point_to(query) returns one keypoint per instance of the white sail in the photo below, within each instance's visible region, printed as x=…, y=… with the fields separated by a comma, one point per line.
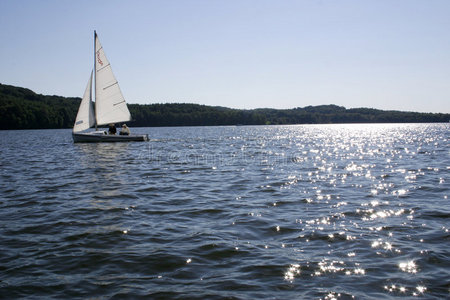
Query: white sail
x=85, y=117
x=110, y=105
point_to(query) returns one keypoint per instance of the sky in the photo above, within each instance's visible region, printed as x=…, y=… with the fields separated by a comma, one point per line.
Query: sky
x=384, y=54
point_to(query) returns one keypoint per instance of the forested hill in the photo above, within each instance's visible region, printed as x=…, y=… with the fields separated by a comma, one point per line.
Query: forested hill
x=21, y=108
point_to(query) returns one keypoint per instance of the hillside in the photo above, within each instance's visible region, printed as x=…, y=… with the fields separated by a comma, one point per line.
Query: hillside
x=21, y=108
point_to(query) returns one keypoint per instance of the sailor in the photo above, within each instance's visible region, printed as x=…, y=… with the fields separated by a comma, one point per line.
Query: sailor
x=112, y=129
x=125, y=130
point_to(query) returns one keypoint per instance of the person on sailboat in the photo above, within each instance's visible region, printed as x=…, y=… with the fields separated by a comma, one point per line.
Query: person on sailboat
x=112, y=129
x=125, y=130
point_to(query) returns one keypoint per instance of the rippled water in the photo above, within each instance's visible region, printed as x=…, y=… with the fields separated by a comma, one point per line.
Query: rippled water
x=277, y=212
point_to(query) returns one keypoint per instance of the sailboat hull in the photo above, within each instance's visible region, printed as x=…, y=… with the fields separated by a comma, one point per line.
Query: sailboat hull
x=100, y=137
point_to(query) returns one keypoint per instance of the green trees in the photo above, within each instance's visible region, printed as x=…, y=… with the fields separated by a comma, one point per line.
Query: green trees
x=21, y=108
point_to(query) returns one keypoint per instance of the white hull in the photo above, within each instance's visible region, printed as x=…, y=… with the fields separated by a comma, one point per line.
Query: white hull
x=100, y=137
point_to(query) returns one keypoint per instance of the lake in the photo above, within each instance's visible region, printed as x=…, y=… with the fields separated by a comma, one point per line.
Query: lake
x=247, y=212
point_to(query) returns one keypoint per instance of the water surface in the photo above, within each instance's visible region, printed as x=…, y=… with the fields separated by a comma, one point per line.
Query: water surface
x=274, y=212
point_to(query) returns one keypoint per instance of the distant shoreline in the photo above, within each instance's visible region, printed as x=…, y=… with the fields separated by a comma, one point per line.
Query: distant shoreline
x=21, y=108
x=105, y=128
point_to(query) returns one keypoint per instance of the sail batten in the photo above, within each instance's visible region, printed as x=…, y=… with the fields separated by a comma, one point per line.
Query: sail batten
x=103, y=68
x=110, y=85
x=118, y=103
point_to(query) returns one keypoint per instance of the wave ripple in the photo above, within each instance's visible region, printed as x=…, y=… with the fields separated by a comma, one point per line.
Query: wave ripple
x=278, y=212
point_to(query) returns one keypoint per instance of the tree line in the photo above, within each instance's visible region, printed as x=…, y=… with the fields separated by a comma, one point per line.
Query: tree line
x=21, y=108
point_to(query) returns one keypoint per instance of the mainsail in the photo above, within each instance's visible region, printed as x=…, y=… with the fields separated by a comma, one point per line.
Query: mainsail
x=110, y=105
x=85, y=117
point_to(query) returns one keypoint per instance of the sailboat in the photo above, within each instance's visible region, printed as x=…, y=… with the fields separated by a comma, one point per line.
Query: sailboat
x=110, y=105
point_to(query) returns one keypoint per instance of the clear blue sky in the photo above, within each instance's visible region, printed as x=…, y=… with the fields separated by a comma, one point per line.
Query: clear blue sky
x=386, y=54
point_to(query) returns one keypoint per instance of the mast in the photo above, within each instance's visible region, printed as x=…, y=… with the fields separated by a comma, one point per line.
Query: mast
x=95, y=78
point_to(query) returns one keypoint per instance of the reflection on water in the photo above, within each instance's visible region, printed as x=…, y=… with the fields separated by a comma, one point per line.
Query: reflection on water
x=279, y=212
x=101, y=154
x=103, y=164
